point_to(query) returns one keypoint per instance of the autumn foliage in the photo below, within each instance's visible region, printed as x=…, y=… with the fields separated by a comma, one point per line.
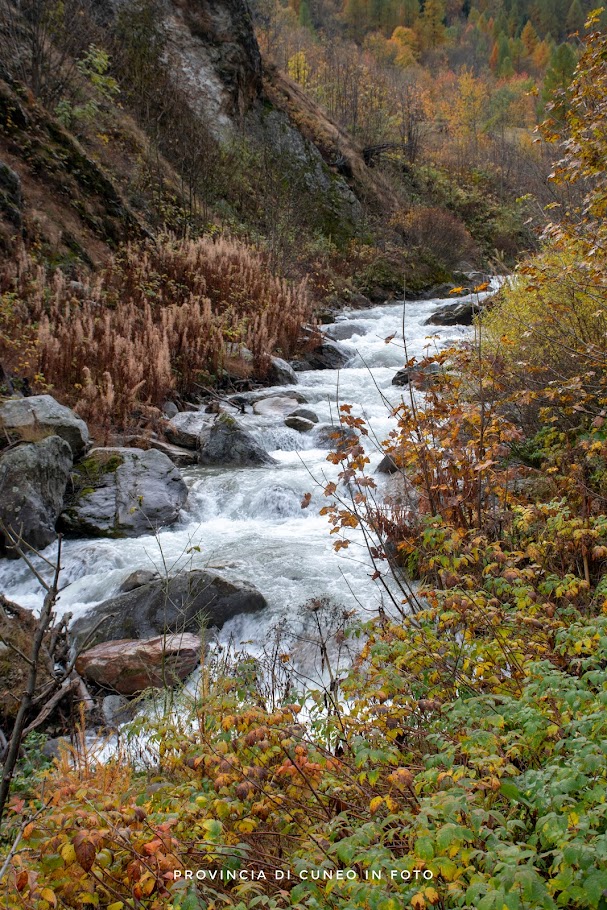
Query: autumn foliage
x=161, y=318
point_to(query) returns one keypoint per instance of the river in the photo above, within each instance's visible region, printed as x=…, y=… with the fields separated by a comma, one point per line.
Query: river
x=250, y=522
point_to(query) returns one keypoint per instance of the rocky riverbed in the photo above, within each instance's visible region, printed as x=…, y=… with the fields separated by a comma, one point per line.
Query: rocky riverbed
x=205, y=529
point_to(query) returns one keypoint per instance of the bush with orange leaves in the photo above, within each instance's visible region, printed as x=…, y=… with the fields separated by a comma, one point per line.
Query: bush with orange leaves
x=161, y=317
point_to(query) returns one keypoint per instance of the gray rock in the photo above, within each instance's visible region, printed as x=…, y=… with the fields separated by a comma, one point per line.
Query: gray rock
x=416, y=373
x=227, y=443
x=276, y=406
x=454, y=314
x=35, y=418
x=342, y=331
x=387, y=465
x=170, y=409
x=299, y=423
x=116, y=710
x=306, y=413
x=332, y=436
x=166, y=606
x=282, y=373
x=184, y=429
x=137, y=579
x=327, y=356
x=183, y=458
x=33, y=478
x=124, y=492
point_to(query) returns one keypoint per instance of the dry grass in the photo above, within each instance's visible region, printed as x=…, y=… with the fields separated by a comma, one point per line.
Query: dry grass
x=161, y=317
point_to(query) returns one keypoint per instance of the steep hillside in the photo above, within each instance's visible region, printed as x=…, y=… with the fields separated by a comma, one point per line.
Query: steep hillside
x=192, y=132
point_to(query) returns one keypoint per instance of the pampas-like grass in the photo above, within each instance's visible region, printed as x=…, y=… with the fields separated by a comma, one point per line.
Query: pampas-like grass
x=161, y=317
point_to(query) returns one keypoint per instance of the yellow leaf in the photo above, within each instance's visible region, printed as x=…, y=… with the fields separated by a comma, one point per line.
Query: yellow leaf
x=117, y=905
x=432, y=895
x=68, y=854
x=375, y=804
x=47, y=895
x=417, y=901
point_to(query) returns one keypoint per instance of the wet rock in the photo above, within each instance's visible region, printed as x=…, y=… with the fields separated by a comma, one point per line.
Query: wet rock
x=227, y=443
x=182, y=603
x=138, y=579
x=387, y=465
x=34, y=418
x=170, y=409
x=333, y=436
x=282, y=373
x=116, y=710
x=454, y=314
x=327, y=356
x=277, y=406
x=131, y=666
x=184, y=429
x=342, y=331
x=33, y=479
x=299, y=423
x=417, y=373
x=178, y=455
x=123, y=492
x=306, y=413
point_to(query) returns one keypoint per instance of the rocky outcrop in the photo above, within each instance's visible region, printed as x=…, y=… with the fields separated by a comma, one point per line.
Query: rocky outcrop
x=129, y=667
x=165, y=606
x=35, y=418
x=184, y=429
x=212, y=43
x=227, y=443
x=33, y=478
x=123, y=492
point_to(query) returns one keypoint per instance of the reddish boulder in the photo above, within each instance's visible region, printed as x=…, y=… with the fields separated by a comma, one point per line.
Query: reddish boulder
x=129, y=666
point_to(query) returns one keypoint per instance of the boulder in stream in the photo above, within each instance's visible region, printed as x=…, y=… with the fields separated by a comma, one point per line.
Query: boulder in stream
x=334, y=436
x=183, y=603
x=301, y=424
x=35, y=418
x=275, y=406
x=123, y=492
x=327, y=356
x=455, y=314
x=282, y=373
x=130, y=666
x=227, y=443
x=184, y=429
x=33, y=478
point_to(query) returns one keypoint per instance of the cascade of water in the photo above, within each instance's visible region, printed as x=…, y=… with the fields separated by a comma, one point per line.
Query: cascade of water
x=249, y=521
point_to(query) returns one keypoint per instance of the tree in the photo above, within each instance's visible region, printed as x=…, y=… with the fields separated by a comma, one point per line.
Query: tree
x=530, y=39
x=432, y=24
x=575, y=17
x=558, y=78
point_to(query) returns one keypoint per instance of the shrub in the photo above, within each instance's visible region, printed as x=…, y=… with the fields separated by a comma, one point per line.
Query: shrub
x=441, y=232
x=161, y=317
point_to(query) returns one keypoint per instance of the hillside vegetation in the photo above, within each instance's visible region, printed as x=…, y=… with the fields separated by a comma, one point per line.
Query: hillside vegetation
x=365, y=146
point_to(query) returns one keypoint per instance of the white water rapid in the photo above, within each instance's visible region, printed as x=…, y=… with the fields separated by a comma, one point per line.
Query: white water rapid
x=250, y=522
